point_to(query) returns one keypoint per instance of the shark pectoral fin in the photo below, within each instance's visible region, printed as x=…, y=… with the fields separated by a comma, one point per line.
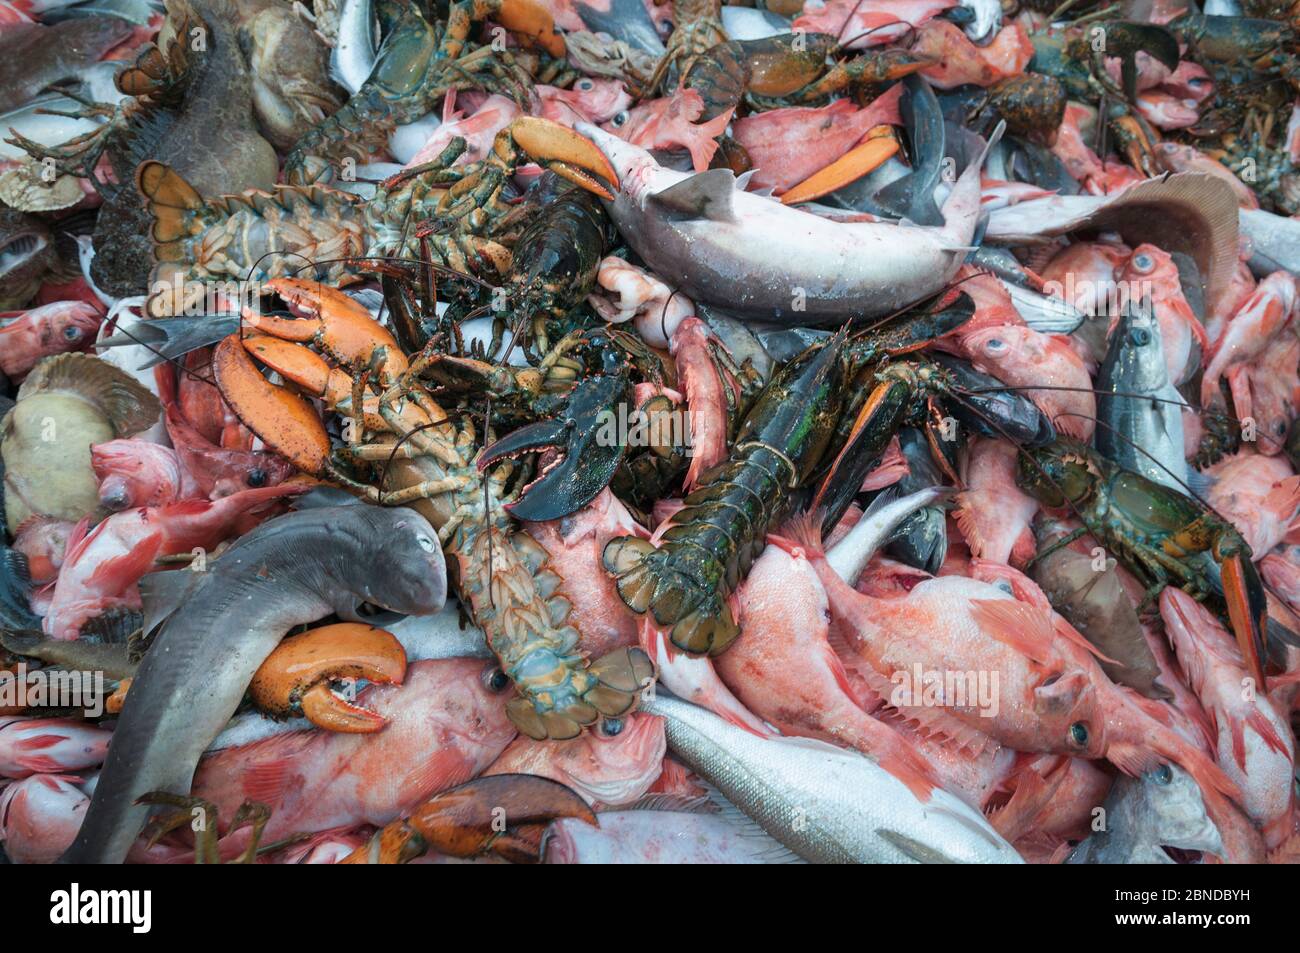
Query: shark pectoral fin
x=707, y=194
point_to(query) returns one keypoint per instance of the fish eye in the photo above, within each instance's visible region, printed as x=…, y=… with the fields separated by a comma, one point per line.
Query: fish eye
x=1162, y=774
x=1140, y=336
x=425, y=543
x=71, y=333
x=1004, y=586
x=611, y=727
x=995, y=345
x=1143, y=262
x=1079, y=734
x=256, y=477
x=495, y=680
x=585, y=84
x=621, y=119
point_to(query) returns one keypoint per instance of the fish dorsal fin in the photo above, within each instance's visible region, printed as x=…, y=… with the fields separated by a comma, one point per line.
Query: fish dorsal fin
x=164, y=592
x=706, y=194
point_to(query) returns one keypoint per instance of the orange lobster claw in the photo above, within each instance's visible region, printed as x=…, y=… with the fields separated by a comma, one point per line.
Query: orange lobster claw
x=326, y=316
x=285, y=422
x=295, y=678
x=1247, y=611
x=504, y=814
x=312, y=373
x=529, y=19
x=564, y=152
x=853, y=165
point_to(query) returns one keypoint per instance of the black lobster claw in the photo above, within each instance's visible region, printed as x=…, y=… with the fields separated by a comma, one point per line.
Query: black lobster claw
x=989, y=408
x=590, y=445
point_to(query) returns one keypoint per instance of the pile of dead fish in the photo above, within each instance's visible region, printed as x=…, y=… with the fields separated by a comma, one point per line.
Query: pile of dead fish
x=601, y=431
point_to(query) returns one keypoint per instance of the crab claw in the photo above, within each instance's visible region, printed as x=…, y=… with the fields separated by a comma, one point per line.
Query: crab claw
x=589, y=452
x=565, y=152
x=1247, y=610
x=283, y=420
x=853, y=165
x=504, y=814
x=295, y=678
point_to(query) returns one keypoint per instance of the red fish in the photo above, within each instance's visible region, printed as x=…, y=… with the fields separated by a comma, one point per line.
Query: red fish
x=1259, y=494
x=1022, y=357
x=669, y=122
x=992, y=513
x=49, y=746
x=103, y=566
x=134, y=472
x=43, y=540
x=611, y=765
x=40, y=817
x=50, y=329
x=958, y=61
x=215, y=471
x=444, y=725
x=1262, y=316
x=1255, y=746
x=858, y=24
x=786, y=146
x=590, y=100
x=785, y=671
x=706, y=396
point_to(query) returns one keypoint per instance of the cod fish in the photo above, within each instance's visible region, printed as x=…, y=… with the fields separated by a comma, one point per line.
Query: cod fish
x=66, y=404
x=1139, y=410
x=291, y=570
x=724, y=246
x=827, y=804
x=1160, y=808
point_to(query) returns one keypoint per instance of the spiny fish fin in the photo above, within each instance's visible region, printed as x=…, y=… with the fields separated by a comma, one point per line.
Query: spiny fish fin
x=127, y=404
x=706, y=195
x=129, y=566
x=1284, y=497
x=968, y=523
x=1017, y=625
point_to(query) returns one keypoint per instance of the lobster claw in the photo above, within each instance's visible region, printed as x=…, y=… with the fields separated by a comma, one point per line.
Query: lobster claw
x=504, y=814
x=1243, y=591
x=989, y=408
x=590, y=451
x=876, y=422
x=566, y=153
x=295, y=678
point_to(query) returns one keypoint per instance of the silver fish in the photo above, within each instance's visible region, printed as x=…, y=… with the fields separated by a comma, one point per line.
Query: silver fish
x=357, y=47
x=627, y=21
x=827, y=804
x=1274, y=241
x=1046, y=313
x=1139, y=411
x=751, y=23
x=1143, y=815
x=223, y=623
x=756, y=256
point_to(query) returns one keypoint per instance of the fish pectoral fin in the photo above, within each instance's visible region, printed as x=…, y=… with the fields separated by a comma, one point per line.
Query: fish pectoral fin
x=162, y=593
x=704, y=195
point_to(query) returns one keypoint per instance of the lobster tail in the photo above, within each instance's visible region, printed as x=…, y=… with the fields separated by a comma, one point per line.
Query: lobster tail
x=177, y=210
x=647, y=580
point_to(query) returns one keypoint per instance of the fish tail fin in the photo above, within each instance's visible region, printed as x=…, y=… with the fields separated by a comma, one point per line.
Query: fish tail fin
x=804, y=531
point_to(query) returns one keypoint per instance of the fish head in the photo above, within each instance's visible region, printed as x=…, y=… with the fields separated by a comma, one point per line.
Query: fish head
x=71, y=326
x=1154, y=271
x=598, y=99
x=626, y=158
x=26, y=254
x=405, y=571
x=1135, y=358
x=1168, y=810
x=615, y=762
x=1065, y=703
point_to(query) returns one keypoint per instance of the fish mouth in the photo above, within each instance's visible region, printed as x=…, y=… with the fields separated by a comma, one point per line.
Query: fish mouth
x=1182, y=855
x=19, y=250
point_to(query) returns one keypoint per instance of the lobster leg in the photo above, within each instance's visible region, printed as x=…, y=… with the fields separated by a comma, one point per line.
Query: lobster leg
x=295, y=678
x=186, y=810
x=503, y=815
